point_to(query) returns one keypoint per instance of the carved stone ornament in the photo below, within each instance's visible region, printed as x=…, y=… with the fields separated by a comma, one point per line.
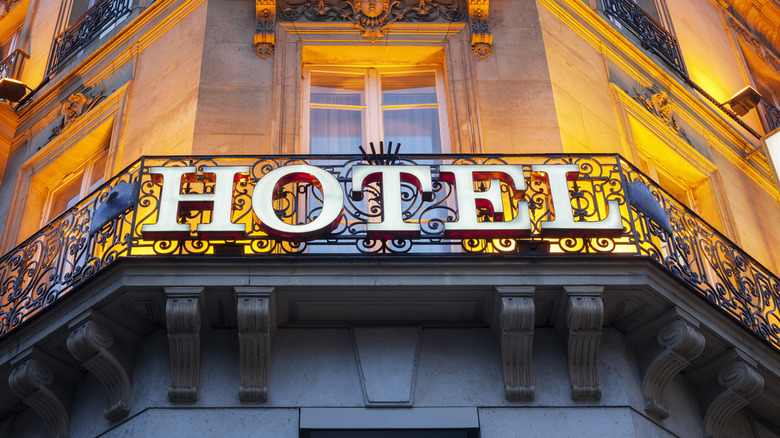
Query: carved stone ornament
x=106, y=353
x=182, y=316
x=741, y=382
x=265, y=15
x=517, y=337
x=755, y=45
x=658, y=103
x=254, y=323
x=481, y=37
x=584, y=318
x=373, y=16
x=40, y=381
x=76, y=105
x=681, y=343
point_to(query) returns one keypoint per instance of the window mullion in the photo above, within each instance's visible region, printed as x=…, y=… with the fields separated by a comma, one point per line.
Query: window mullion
x=374, y=107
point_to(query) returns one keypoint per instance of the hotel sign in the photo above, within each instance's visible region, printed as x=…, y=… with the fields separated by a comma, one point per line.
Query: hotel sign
x=479, y=200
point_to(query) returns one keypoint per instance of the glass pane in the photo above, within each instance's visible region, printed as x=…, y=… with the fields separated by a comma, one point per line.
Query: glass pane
x=416, y=128
x=335, y=131
x=337, y=89
x=409, y=88
x=98, y=171
x=65, y=196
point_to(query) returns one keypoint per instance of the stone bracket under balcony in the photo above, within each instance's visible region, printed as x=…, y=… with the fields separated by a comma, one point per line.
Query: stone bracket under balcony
x=665, y=347
x=47, y=385
x=106, y=350
x=183, y=320
x=517, y=314
x=254, y=310
x=584, y=319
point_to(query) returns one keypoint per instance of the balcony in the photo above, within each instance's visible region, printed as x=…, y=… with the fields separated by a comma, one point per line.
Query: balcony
x=51, y=264
x=97, y=20
x=651, y=34
x=9, y=67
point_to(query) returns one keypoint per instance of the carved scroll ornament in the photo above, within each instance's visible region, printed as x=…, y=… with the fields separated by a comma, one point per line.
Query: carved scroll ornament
x=265, y=15
x=481, y=37
x=372, y=16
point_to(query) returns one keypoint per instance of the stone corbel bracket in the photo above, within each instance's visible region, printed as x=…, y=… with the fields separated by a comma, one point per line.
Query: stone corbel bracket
x=517, y=336
x=183, y=320
x=254, y=340
x=680, y=343
x=741, y=382
x=481, y=36
x=265, y=31
x=106, y=350
x=47, y=386
x=584, y=318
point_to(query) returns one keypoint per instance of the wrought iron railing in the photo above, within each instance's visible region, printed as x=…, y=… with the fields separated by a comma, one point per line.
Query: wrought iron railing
x=64, y=254
x=86, y=28
x=772, y=115
x=651, y=34
x=9, y=67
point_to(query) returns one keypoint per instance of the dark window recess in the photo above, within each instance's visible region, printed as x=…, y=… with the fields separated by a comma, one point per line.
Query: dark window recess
x=91, y=24
x=651, y=34
x=389, y=433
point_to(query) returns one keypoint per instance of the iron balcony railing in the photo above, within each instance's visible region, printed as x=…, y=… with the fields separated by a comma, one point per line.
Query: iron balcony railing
x=9, y=67
x=772, y=115
x=86, y=28
x=651, y=34
x=51, y=264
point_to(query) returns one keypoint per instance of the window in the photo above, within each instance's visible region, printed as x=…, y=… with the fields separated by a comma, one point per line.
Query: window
x=344, y=107
x=75, y=186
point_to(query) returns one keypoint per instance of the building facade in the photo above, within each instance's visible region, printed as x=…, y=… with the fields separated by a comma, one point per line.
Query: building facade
x=210, y=228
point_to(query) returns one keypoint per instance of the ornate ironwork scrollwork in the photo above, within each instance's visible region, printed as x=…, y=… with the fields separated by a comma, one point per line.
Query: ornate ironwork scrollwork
x=81, y=32
x=651, y=34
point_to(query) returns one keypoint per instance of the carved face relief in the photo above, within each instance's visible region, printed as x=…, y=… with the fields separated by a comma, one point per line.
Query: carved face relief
x=372, y=8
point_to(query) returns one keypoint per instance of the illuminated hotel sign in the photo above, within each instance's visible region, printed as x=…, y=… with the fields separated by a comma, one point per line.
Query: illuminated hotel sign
x=391, y=224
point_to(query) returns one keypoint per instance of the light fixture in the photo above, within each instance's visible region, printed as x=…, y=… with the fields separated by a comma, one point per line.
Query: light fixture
x=13, y=90
x=745, y=100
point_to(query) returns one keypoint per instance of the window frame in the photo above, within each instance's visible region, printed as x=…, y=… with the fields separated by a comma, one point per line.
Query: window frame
x=84, y=172
x=372, y=120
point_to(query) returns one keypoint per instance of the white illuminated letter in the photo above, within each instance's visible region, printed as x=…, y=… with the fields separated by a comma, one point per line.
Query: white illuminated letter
x=332, y=202
x=468, y=201
x=392, y=224
x=220, y=203
x=557, y=175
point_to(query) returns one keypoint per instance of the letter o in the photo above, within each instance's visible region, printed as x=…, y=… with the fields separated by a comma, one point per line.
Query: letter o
x=332, y=202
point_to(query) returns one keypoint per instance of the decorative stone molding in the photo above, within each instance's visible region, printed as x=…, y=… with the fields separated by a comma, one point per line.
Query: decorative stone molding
x=481, y=36
x=517, y=336
x=757, y=21
x=681, y=343
x=742, y=382
x=76, y=105
x=265, y=30
x=254, y=341
x=658, y=103
x=106, y=351
x=182, y=317
x=372, y=17
x=584, y=318
x=41, y=382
